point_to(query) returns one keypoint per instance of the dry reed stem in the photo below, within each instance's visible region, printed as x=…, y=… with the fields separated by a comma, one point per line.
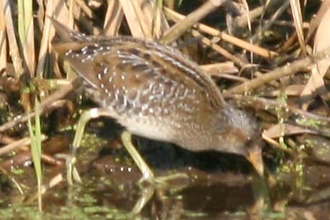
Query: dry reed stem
x=113, y=19
x=223, y=36
x=47, y=33
x=321, y=41
x=18, y=144
x=3, y=40
x=46, y=105
x=26, y=34
x=287, y=70
x=270, y=22
x=298, y=23
x=12, y=43
x=221, y=50
x=183, y=25
x=135, y=20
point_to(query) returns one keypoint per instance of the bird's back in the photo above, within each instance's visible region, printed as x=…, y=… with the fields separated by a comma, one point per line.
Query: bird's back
x=138, y=78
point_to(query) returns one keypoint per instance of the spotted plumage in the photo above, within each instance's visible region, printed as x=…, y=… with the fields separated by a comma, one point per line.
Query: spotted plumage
x=156, y=92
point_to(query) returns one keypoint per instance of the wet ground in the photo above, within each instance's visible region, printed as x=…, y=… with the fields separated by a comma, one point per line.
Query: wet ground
x=213, y=185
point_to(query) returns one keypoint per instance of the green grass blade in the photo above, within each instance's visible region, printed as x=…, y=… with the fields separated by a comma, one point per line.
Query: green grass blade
x=36, y=139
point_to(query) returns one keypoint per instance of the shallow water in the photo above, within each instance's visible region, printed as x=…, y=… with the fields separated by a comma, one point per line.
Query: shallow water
x=216, y=186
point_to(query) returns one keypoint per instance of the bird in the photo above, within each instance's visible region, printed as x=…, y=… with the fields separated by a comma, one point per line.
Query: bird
x=157, y=92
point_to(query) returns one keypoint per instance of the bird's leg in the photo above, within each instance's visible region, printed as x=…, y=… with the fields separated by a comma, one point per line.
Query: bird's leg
x=72, y=173
x=83, y=120
x=147, y=174
x=146, y=194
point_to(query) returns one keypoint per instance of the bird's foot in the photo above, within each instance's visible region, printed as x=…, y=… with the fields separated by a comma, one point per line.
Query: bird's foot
x=150, y=184
x=163, y=181
x=72, y=174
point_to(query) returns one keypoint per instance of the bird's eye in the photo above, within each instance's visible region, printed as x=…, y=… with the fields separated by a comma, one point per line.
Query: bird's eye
x=253, y=142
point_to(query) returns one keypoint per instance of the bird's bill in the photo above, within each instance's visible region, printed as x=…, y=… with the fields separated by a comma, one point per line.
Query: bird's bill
x=255, y=157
